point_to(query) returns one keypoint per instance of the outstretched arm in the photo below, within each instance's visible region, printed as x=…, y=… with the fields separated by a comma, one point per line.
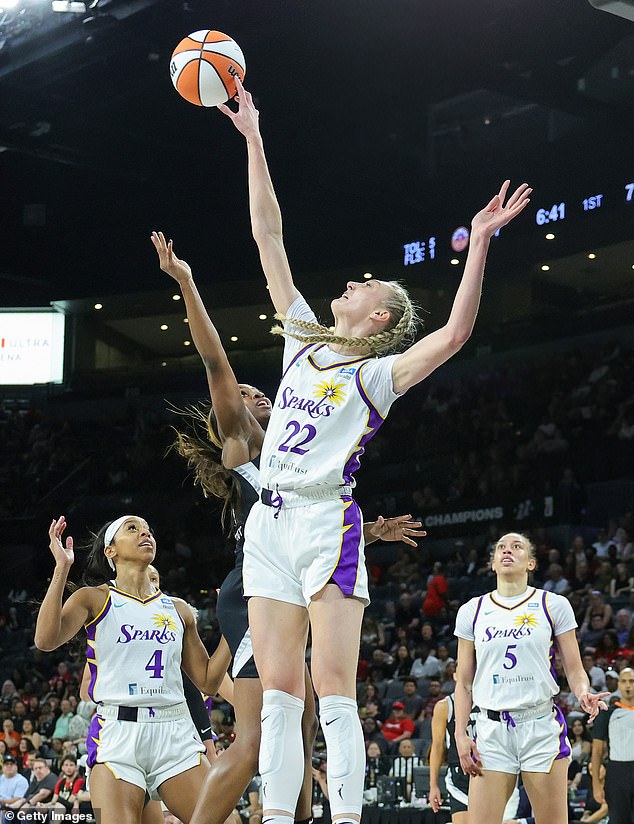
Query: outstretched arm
x=57, y=623
x=428, y=354
x=399, y=528
x=241, y=434
x=266, y=218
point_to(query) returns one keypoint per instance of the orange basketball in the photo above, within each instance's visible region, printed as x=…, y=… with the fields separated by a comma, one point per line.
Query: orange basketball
x=204, y=66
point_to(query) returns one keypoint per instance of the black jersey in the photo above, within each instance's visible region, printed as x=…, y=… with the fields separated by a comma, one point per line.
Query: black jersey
x=248, y=476
x=453, y=760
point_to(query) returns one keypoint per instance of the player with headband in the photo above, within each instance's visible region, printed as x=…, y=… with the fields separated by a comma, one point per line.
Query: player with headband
x=137, y=640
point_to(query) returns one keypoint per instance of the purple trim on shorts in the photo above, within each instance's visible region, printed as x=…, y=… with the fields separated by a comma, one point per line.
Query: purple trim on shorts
x=296, y=356
x=477, y=612
x=347, y=569
x=92, y=740
x=564, y=744
x=374, y=422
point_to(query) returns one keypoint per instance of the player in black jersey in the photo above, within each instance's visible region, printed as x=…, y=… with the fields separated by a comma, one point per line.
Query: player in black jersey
x=222, y=446
x=443, y=728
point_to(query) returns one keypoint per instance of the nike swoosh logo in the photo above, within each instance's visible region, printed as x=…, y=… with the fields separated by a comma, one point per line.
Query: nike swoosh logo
x=489, y=612
x=207, y=729
x=118, y=606
x=328, y=723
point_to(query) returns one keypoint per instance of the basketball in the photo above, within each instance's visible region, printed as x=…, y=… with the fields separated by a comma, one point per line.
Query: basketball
x=204, y=66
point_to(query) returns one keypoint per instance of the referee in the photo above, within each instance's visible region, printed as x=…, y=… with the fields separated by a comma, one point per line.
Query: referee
x=614, y=728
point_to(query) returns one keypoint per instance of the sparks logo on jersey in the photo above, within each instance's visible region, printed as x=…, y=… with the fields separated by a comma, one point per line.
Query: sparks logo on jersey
x=164, y=621
x=290, y=400
x=525, y=620
x=331, y=391
x=521, y=631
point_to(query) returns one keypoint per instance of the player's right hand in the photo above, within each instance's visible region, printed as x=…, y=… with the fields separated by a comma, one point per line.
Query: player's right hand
x=469, y=756
x=63, y=553
x=435, y=797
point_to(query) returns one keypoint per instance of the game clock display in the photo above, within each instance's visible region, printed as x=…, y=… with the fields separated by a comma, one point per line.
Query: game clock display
x=559, y=211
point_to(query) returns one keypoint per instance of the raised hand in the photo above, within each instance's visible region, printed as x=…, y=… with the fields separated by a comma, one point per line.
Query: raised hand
x=175, y=268
x=246, y=119
x=400, y=528
x=497, y=214
x=593, y=702
x=62, y=552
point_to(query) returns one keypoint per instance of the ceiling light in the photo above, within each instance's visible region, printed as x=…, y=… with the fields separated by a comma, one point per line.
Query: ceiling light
x=545, y=268
x=185, y=320
x=367, y=275
x=550, y=236
x=164, y=326
x=591, y=256
x=233, y=338
x=454, y=261
x=187, y=343
x=68, y=6
x=98, y=305
x=263, y=317
x=176, y=297
x=164, y=363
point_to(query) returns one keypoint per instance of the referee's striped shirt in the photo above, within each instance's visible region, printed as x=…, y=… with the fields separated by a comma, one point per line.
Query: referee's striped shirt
x=616, y=726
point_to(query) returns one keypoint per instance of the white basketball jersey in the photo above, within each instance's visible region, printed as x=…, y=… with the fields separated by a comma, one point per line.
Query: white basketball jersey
x=134, y=651
x=515, y=646
x=322, y=418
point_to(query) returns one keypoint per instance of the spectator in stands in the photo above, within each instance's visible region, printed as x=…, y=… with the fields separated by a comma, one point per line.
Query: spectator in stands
x=622, y=581
x=590, y=637
x=435, y=695
x=437, y=589
x=447, y=682
x=372, y=733
x=376, y=764
x=61, y=725
x=24, y=749
x=607, y=649
x=582, y=578
x=41, y=786
x=410, y=699
x=627, y=650
x=68, y=785
x=580, y=741
x=403, y=768
x=597, y=607
x=30, y=734
x=10, y=736
x=19, y=714
x=602, y=543
x=397, y=727
x=555, y=582
x=373, y=709
x=8, y=692
x=612, y=684
x=407, y=615
x=596, y=675
x=404, y=662
x=425, y=665
x=13, y=786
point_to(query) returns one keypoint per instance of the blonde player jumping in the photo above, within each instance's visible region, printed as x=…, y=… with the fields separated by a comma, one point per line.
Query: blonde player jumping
x=303, y=554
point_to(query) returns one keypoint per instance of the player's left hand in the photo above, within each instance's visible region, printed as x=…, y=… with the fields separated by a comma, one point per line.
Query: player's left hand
x=497, y=214
x=169, y=263
x=401, y=528
x=591, y=703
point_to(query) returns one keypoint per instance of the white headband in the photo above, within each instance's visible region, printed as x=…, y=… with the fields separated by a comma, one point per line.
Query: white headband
x=111, y=532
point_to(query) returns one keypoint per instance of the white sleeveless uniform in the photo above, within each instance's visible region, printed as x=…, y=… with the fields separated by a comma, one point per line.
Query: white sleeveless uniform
x=518, y=727
x=143, y=729
x=307, y=530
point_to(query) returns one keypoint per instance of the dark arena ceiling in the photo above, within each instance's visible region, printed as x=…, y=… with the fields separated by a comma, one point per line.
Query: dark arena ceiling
x=377, y=115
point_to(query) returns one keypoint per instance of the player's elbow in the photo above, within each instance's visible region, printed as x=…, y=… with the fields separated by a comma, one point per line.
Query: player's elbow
x=44, y=642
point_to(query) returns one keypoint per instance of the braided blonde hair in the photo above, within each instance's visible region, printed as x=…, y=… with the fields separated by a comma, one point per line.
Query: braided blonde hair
x=396, y=337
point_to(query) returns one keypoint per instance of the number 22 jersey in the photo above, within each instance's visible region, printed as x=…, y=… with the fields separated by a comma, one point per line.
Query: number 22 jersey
x=515, y=645
x=327, y=408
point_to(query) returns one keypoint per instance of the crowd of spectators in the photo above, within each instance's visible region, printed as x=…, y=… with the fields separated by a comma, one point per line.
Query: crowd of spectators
x=548, y=425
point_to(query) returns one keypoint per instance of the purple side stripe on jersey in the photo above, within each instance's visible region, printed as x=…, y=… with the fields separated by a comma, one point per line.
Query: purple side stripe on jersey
x=91, y=632
x=564, y=744
x=347, y=568
x=477, y=612
x=93, y=740
x=553, y=643
x=295, y=357
x=374, y=422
